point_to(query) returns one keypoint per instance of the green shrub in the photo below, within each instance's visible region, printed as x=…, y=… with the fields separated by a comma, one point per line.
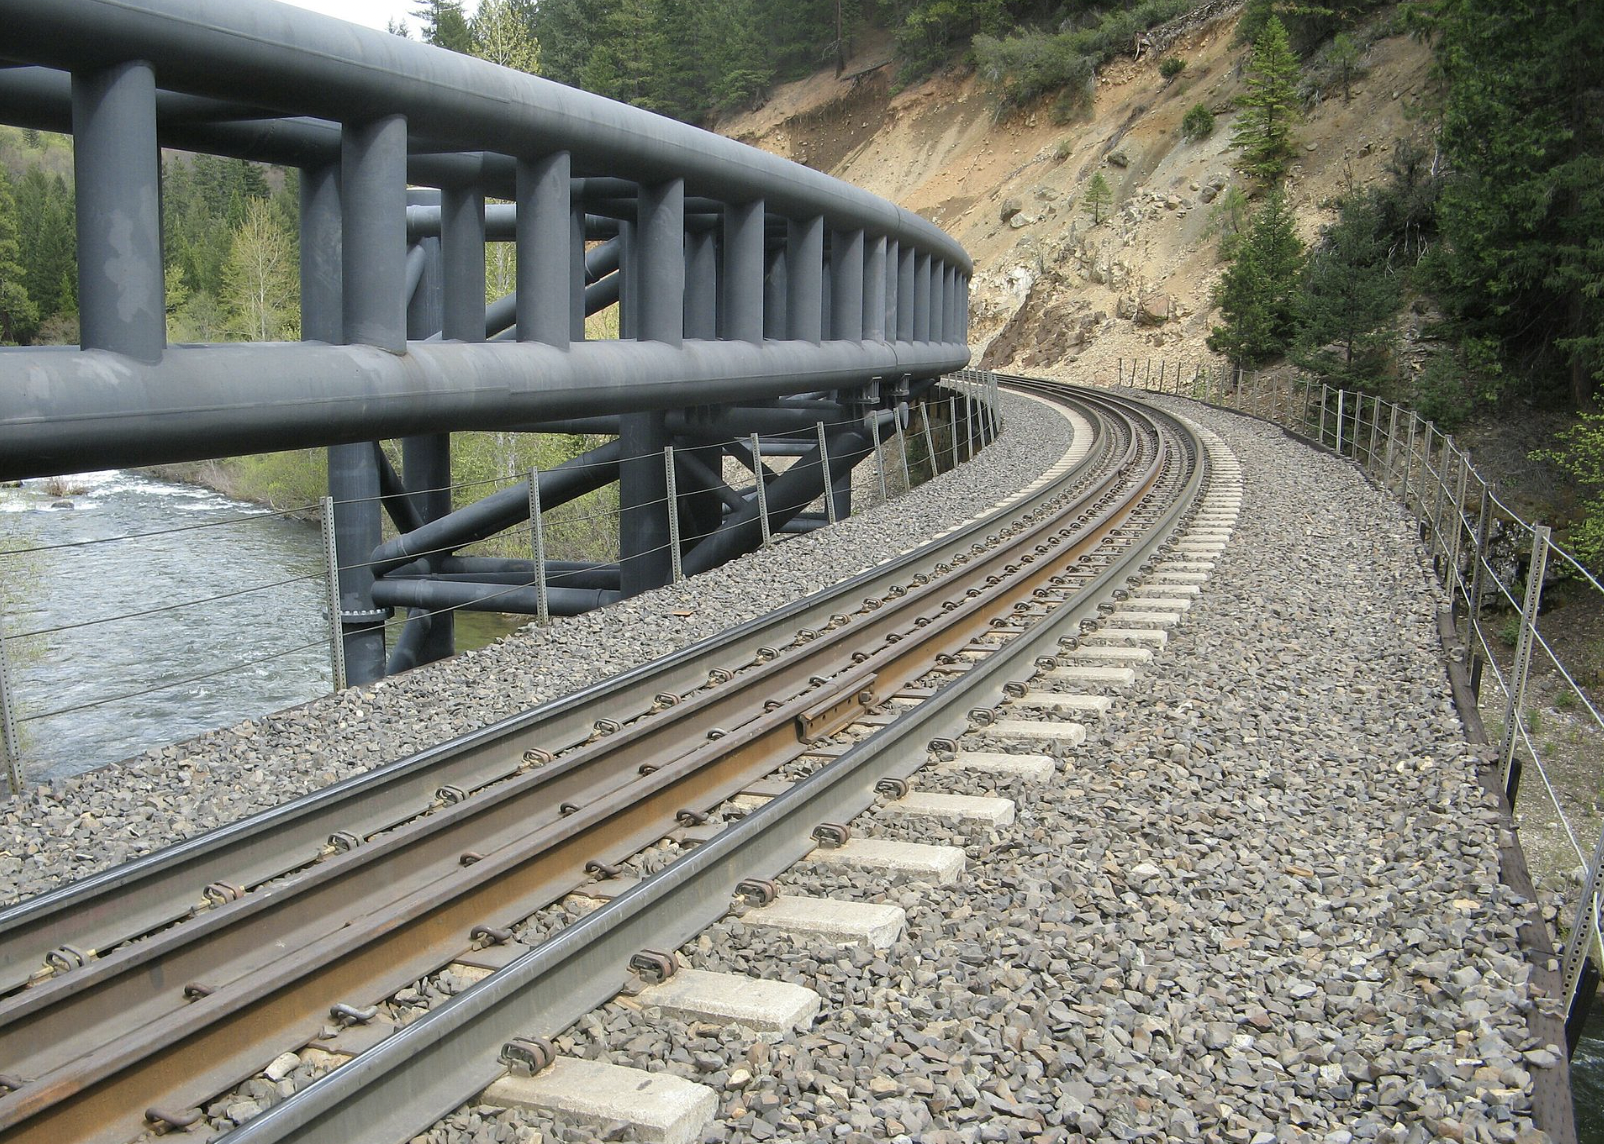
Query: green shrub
x=1023, y=65
x=1171, y=66
x=1198, y=123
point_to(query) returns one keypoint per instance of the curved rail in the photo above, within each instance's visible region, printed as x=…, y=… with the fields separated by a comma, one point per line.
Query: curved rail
x=375, y=951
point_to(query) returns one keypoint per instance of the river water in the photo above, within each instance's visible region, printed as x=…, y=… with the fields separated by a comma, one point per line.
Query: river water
x=224, y=618
x=139, y=612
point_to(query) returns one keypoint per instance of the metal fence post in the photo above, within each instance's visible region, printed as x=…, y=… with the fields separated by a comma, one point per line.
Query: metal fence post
x=1325, y=395
x=671, y=506
x=1375, y=430
x=1523, y=653
x=10, y=740
x=1584, y=930
x=537, y=541
x=1409, y=457
x=1458, y=582
x=879, y=456
x=1341, y=393
x=952, y=415
x=1440, y=476
x=331, y=572
x=1392, y=442
x=1473, y=602
x=824, y=472
x=930, y=441
x=763, y=492
x=902, y=451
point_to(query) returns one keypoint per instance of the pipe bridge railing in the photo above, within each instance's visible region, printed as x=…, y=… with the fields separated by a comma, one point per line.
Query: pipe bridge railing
x=753, y=295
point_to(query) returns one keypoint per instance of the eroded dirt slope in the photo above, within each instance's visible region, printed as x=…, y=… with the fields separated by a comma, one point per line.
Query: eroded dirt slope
x=1054, y=294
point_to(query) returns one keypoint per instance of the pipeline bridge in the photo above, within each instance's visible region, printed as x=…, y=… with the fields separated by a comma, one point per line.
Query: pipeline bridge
x=755, y=297
x=1152, y=948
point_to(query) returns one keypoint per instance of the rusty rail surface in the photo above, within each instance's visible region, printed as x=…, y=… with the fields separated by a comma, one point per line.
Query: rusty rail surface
x=171, y=1020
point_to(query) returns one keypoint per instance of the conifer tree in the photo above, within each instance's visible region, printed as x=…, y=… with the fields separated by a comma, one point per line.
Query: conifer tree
x=18, y=314
x=1258, y=296
x=1348, y=299
x=1269, y=107
x=1521, y=209
x=1098, y=196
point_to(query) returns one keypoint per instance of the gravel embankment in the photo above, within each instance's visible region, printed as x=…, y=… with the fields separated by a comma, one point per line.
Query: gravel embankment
x=72, y=827
x=1260, y=905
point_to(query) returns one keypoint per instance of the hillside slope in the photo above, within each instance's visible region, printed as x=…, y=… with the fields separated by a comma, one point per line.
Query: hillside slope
x=1053, y=294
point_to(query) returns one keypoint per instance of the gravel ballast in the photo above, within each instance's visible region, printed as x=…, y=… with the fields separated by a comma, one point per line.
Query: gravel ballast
x=72, y=827
x=1261, y=904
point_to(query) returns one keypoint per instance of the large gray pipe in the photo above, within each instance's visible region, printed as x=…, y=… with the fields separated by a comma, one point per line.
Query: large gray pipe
x=60, y=405
x=435, y=595
x=499, y=510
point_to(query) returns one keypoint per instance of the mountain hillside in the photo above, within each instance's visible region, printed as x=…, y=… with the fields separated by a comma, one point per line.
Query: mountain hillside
x=1052, y=293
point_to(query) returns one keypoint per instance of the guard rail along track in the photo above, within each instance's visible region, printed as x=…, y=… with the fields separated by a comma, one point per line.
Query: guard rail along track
x=142, y=992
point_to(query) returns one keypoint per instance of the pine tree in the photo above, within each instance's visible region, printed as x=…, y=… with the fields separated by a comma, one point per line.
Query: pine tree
x=1348, y=299
x=47, y=246
x=443, y=24
x=1522, y=208
x=1269, y=107
x=18, y=314
x=1098, y=196
x=1258, y=296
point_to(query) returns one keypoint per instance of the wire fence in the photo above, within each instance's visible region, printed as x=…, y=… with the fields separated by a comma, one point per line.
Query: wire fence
x=188, y=633
x=1515, y=595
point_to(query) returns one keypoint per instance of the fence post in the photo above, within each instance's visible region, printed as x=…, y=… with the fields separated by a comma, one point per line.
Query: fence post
x=879, y=455
x=671, y=506
x=1473, y=603
x=824, y=475
x=902, y=451
x=1584, y=928
x=930, y=442
x=1341, y=394
x=1409, y=457
x=10, y=741
x=331, y=575
x=1523, y=656
x=1392, y=442
x=537, y=541
x=1459, y=526
x=1440, y=475
x=952, y=413
x=763, y=492
x=1325, y=393
x=1375, y=429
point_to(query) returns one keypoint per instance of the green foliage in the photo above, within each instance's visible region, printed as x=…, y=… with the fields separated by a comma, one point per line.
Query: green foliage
x=1171, y=66
x=927, y=30
x=1522, y=208
x=47, y=241
x=1308, y=25
x=19, y=314
x=1579, y=452
x=443, y=24
x=261, y=283
x=1258, y=295
x=501, y=34
x=1344, y=56
x=1198, y=123
x=1269, y=107
x=1027, y=64
x=1349, y=297
x=1098, y=197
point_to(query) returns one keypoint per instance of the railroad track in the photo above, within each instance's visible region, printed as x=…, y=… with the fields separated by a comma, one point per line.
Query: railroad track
x=137, y=995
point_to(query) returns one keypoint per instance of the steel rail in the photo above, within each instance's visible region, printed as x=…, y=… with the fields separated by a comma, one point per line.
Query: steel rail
x=127, y=901
x=434, y=1064
x=44, y=1027
x=351, y=961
